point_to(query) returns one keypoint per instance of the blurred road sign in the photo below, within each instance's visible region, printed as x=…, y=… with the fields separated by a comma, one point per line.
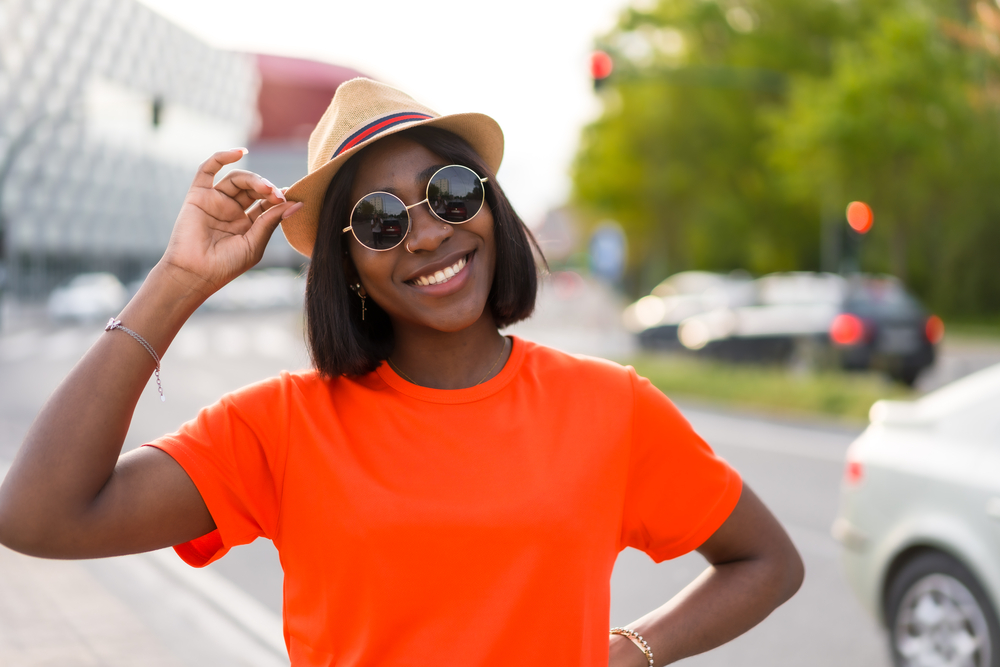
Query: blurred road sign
x=608, y=251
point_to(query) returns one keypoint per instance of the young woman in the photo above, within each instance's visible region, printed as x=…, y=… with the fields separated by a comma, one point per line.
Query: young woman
x=439, y=493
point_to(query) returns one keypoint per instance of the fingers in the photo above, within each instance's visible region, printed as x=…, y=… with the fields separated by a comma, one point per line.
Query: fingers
x=264, y=225
x=259, y=206
x=205, y=177
x=247, y=187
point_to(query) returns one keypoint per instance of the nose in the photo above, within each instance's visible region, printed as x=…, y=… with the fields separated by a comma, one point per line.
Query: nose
x=427, y=233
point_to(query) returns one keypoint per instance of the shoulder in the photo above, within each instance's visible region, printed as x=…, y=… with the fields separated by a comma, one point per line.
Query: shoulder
x=303, y=382
x=288, y=392
x=569, y=370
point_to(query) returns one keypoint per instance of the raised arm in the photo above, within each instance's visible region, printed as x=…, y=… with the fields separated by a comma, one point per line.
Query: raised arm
x=69, y=493
x=754, y=568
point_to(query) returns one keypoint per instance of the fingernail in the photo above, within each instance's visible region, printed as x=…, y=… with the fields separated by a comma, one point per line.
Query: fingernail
x=275, y=189
x=291, y=209
x=242, y=150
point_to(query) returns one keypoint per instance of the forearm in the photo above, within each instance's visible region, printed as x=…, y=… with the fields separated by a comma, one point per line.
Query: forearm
x=755, y=568
x=722, y=603
x=74, y=443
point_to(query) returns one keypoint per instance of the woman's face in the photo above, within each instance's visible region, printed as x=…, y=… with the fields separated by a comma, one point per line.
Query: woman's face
x=391, y=278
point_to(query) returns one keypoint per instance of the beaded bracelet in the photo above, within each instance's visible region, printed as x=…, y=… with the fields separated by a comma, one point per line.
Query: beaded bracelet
x=637, y=640
x=117, y=324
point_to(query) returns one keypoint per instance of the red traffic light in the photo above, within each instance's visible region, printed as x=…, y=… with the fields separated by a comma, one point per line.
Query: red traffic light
x=600, y=65
x=860, y=216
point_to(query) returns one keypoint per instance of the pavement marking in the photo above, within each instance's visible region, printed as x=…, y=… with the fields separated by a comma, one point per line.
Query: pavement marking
x=194, y=341
x=253, y=617
x=181, y=612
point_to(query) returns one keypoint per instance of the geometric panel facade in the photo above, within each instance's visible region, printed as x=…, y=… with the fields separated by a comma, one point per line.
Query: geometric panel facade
x=106, y=109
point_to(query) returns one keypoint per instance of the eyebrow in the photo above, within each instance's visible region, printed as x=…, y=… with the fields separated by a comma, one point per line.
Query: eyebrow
x=421, y=177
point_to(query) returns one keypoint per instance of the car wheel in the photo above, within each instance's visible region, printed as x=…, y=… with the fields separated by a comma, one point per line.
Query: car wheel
x=939, y=616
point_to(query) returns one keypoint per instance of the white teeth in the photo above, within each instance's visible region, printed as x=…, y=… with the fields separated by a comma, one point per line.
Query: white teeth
x=443, y=275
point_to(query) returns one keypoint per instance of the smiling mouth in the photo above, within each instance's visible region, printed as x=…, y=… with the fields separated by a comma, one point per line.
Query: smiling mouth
x=442, y=276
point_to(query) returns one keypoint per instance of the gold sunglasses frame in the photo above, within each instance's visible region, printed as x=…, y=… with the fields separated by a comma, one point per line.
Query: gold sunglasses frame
x=425, y=200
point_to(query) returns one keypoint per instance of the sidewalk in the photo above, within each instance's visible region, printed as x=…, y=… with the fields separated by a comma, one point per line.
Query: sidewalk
x=57, y=613
x=148, y=610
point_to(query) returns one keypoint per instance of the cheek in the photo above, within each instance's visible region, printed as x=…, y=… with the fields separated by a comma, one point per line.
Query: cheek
x=373, y=268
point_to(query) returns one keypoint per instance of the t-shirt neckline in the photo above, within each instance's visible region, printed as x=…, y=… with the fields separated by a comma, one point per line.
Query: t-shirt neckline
x=467, y=395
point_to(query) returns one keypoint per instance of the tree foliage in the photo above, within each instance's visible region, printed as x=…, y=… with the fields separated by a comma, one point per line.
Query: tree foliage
x=732, y=130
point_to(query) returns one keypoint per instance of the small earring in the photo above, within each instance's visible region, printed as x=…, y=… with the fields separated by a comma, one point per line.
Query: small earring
x=358, y=289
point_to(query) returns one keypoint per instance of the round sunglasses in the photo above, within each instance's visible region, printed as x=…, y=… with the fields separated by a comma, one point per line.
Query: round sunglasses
x=380, y=220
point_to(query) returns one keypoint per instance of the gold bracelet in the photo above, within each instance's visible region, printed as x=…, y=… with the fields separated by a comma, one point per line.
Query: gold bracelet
x=637, y=640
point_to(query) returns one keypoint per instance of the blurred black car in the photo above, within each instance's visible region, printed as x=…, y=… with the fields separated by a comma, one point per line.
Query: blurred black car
x=882, y=326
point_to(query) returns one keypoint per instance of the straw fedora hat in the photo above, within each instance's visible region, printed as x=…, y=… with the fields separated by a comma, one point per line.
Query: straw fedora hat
x=364, y=111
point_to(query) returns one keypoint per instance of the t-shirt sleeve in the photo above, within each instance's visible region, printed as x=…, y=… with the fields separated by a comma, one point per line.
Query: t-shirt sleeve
x=233, y=452
x=678, y=492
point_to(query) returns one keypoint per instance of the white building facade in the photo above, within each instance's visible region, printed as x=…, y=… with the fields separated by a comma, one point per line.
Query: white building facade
x=106, y=109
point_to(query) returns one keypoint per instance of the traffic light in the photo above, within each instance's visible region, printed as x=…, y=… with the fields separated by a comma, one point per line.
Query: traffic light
x=860, y=216
x=601, y=66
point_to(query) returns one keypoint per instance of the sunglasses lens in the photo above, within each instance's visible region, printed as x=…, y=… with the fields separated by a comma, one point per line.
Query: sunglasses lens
x=455, y=194
x=380, y=221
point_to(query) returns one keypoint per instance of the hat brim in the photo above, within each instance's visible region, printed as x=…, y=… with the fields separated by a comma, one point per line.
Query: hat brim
x=482, y=132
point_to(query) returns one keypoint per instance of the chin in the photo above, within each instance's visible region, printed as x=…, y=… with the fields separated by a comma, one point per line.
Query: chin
x=458, y=321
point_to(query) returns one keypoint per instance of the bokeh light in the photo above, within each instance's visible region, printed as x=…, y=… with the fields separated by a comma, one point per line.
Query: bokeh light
x=601, y=65
x=860, y=216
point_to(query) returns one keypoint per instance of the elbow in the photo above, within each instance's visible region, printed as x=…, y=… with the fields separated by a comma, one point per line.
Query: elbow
x=28, y=540
x=22, y=532
x=792, y=573
x=12, y=535
x=9, y=532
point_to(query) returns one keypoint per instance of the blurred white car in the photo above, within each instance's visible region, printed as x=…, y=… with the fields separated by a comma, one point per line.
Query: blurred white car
x=655, y=318
x=260, y=288
x=785, y=305
x=859, y=322
x=88, y=297
x=919, y=522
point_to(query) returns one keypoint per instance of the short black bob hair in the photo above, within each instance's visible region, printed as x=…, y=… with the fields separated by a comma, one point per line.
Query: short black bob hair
x=340, y=342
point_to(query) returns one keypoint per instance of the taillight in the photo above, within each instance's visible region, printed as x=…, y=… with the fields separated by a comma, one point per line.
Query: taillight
x=934, y=329
x=854, y=472
x=847, y=329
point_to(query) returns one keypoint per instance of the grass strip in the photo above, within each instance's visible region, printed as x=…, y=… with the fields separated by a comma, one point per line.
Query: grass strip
x=774, y=389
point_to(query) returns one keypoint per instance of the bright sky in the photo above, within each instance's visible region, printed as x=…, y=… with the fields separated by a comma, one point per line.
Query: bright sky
x=523, y=62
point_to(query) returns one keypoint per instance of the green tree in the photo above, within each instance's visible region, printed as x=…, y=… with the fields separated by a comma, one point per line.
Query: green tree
x=677, y=155
x=896, y=125
x=731, y=129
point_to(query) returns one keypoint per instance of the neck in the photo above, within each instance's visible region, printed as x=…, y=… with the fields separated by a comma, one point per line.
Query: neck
x=449, y=359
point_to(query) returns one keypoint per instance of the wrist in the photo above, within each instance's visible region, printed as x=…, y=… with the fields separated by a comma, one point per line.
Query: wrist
x=175, y=284
x=623, y=653
x=162, y=305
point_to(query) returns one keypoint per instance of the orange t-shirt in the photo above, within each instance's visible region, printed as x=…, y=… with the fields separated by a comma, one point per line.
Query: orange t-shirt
x=473, y=526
